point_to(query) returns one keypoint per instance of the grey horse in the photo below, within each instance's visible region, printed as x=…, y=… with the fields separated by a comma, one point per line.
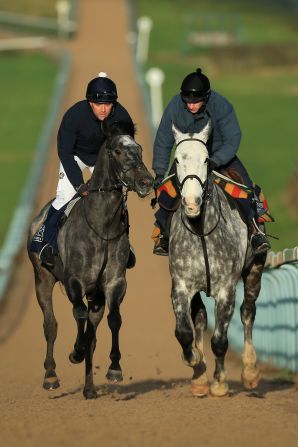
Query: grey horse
x=93, y=253
x=209, y=252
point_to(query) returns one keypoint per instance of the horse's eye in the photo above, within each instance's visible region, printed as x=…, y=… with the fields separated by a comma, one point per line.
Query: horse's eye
x=206, y=161
x=117, y=151
x=176, y=161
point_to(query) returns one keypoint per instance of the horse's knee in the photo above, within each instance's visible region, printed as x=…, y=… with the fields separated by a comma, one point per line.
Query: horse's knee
x=219, y=345
x=184, y=336
x=248, y=310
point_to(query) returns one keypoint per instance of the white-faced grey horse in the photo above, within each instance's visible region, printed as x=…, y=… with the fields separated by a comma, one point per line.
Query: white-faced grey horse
x=94, y=249
x=209, y=252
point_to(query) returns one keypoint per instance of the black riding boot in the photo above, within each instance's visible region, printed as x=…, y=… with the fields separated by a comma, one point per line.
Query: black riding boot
x=45, y=239
x=161, y=247
x=258, y=240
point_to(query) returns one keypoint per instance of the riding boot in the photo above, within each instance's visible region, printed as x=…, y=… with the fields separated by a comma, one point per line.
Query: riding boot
x=44, y=241
x=161, y=246
x=161, y=242
x=258, y=240
x=46, y=255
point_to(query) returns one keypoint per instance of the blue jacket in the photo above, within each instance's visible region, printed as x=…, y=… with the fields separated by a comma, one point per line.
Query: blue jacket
x=223, y=142
x=80, y=133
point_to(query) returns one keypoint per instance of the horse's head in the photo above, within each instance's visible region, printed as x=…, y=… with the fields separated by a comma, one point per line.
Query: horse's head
x=191, y=158
x=126, y=159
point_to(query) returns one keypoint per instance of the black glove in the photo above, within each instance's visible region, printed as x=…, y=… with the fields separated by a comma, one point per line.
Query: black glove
x=158, y=180
x=82, y=190
x=212, y=164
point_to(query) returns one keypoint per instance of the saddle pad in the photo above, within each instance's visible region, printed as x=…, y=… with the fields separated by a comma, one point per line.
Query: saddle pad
x=168, y=196
x=239, y=191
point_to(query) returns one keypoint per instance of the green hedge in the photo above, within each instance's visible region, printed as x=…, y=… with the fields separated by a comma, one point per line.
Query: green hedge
x=26, y=82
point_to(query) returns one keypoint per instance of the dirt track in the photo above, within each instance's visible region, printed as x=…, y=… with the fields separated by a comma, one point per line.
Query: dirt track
x=153, y=405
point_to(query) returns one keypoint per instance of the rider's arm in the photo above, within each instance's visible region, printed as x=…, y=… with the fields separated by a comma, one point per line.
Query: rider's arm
x=227, y=132
x=163, y=143
x=66, y=141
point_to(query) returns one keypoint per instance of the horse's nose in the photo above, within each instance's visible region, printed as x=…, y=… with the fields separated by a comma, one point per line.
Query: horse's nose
x=145, y=181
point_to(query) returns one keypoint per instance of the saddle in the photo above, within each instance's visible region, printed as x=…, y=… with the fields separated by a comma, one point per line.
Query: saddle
x=239, y=195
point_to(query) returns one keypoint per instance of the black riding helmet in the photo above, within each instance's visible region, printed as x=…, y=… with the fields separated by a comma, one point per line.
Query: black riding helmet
x=101, y=90
x=195, y=87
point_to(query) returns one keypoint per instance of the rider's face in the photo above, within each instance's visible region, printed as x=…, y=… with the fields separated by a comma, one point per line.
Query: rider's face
x=194, y=107
x=101, y=111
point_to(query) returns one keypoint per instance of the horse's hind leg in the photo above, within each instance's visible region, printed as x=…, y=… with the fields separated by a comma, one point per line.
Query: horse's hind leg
x=96, y=305
x=199, y=383
x=183, y=332
x=44, y=284
x=224, y=308
x=114, y=297
x=252, y=285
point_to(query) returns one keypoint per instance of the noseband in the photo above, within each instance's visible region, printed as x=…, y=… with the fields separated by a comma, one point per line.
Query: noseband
x=206, y=196
x=193, y=176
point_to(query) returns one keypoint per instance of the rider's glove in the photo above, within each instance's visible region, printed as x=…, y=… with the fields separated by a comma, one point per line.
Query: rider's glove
x=212, y=164
x=82, y=190
x=157, y=181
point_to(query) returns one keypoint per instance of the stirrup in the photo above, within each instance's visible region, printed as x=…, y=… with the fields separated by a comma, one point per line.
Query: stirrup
x=259, y=243
x=46, y=255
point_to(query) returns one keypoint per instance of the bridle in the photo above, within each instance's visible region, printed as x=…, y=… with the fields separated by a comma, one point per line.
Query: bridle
x=206, y=198
x=119, y=186
x=206, y=195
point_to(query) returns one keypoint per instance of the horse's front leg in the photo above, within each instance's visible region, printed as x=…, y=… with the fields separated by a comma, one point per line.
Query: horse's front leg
x=224, y=308
x=199, y=383
x=252, y=285
x=96, y=307
x=181, y=298
x=44, y=284
x=115, y=294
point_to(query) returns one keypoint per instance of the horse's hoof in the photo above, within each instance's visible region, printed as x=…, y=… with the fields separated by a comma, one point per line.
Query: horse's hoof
x=90, y=393
x=251, y=378
x=76, y=357
x=114, y=375
x=51, y=383
x=196, y=359
x=200, y=389
x=219, y=389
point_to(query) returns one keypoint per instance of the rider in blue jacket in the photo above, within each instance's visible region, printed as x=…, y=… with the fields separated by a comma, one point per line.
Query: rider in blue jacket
x=189, y=111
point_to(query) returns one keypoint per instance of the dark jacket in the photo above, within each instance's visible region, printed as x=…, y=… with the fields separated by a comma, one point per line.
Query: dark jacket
x=223, y=143
x=81, y=134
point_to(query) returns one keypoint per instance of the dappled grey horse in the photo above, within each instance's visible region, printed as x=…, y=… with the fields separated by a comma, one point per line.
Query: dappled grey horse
x=209, y=252
x=94, y=249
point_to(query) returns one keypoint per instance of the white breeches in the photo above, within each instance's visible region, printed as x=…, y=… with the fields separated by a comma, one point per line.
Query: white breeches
x=65, y=190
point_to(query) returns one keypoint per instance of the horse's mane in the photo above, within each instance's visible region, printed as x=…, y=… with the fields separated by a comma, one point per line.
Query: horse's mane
x=118, y=128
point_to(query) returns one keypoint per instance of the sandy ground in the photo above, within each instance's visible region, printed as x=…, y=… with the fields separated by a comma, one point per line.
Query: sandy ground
x=153, y=405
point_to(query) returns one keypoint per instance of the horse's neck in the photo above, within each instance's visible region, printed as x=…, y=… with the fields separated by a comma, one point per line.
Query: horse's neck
x=103, y=176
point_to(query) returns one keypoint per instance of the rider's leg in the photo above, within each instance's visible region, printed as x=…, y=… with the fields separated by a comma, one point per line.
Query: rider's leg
x=45, y=240
x=161, y=232
x=257, y=237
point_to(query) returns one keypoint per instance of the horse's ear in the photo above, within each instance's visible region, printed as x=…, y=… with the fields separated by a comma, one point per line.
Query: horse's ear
x=177, y=134
x=205, y=133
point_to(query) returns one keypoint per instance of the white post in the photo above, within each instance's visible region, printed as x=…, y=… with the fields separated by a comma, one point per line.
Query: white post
x=144, y=25
x=155, y=78
x=63, y=11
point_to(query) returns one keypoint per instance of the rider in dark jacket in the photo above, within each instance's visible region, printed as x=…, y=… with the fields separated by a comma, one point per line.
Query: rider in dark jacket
x=80, y=138
x=189, y=111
